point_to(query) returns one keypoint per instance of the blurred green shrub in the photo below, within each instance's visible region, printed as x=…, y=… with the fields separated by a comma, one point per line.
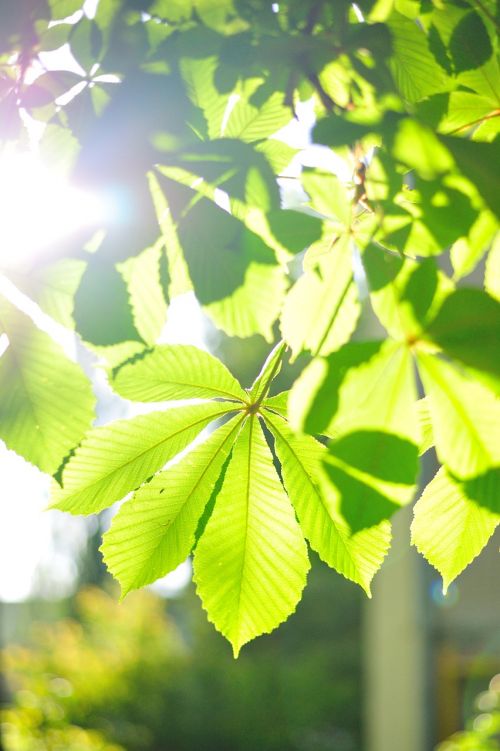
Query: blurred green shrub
x=145, y=679
x=484, y=731
x=81, y=680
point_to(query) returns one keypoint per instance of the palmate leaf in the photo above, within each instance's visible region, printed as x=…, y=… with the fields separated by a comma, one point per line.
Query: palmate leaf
x=251, y=564
x=449, y=528
x=176, y=371
x=117, y=458
x=46, y=401
x=465, y=418
x=355, y=555
x=154, y=531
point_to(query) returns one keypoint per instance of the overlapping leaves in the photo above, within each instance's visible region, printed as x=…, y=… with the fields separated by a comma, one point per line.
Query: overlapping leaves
x=223, y=498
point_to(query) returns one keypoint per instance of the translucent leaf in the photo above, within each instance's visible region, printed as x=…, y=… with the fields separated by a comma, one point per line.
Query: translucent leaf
x=465, y=418
x=424, y=418
x=251, y=121
x=314, y=398
x=404, y=293
x=492, y=270
x=470, y=44
x=254, y=539
x=199, y=77
x=449, y=528
x=46, y=401
x=268, y=373
x=177, y=267
x=467, y=327
x=468, y=251
x=147, y=300
x=321, y=310
x=375, y=391
x=478, y=162
x=253, y=307
x=154, y=531
x=358, y=555
x=117, y=458
x=278, y=403
x=375, y=473
x=176, y=371
x=53, y=287
x=64, y=8
x=414, y=68
x=327, y=195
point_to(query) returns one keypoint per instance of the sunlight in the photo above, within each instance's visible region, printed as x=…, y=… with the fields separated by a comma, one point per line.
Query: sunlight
x=38, y=208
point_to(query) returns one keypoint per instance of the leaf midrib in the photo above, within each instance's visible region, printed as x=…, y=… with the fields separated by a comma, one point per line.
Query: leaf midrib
x=142, y=453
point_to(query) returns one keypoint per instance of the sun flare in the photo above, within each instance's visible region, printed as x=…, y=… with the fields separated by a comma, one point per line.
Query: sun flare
x=38, y=208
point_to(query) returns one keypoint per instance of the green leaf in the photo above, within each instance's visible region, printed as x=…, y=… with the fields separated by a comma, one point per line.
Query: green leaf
x=176, y=371
x=143, y=278
x=375, y=473
x=314, y=398
x=376, y=392
x=46, y=401
x=86, y=42
x=470, y=43
x=177, y=267
x=251, y=122
x=355, y=555
x=268, y=372
x=492, y=270
x=321, y=310
x=449, y=528
x=419, y=148
x=198, y=74
x=424, y=418
x=64, y=8
x=116, y=458
x=278, y=403
x=154, y=531
x=467, y=327
x=103, y=296
x=255, y=540
x=214, y=13
x=278, y=154
x=53, y=287
x=468, y=251
x=478, y=162
x=327, y=195
x=404, y=293
x=414, y=68
x=465, y=418
x=253, y=307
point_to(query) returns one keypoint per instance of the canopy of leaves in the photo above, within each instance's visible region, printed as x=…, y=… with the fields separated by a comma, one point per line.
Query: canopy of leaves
x=370, y=276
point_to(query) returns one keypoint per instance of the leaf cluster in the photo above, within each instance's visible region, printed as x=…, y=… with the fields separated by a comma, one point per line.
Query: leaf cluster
x=380, y=277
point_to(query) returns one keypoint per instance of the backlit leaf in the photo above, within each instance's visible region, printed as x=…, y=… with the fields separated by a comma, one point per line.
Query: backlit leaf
x=251, y=563
x=449, y=528
x=46, y=401
x=116, y=458
x=176, y=371
x=154, y=531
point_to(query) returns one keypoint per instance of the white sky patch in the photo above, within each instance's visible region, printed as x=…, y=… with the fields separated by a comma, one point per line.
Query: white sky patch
x=28, y=552
x=38, y=208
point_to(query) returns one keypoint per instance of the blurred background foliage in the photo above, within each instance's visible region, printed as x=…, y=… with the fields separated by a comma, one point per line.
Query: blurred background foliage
x=149, y=676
